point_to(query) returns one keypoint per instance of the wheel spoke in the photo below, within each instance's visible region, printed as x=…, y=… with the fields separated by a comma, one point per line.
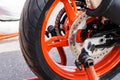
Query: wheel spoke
x=71, y=10
x=57, y=41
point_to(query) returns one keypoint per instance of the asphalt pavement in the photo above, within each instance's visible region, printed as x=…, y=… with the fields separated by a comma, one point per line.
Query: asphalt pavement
x=12, y=63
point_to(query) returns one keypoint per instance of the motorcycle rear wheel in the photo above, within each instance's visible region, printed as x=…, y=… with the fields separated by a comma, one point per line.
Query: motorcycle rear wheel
x=35, y=50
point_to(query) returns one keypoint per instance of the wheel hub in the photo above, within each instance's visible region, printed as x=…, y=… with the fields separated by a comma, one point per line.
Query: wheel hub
x=80, y=23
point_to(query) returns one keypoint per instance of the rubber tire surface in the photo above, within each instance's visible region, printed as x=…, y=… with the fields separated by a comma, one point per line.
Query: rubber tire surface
x=30, y=27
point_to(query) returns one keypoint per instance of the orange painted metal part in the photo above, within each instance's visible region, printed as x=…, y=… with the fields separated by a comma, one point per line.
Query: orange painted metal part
x=91, y=73
x=6, y=36
x=71, y=11
x=32, y=79
x=78, y=36
x=59, y=42
x=70, y=72
x=62, y=56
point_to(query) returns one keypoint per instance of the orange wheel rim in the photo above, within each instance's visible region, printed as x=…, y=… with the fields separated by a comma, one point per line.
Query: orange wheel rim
x=71, y=72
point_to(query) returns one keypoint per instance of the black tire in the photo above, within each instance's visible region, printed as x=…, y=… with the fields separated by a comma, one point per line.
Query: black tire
x=30, y=25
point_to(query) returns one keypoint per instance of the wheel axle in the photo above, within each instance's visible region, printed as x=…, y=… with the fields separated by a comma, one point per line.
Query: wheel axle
x=88, y=63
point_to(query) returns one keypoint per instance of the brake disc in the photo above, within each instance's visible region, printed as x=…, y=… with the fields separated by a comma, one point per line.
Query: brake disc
x=80, y=23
